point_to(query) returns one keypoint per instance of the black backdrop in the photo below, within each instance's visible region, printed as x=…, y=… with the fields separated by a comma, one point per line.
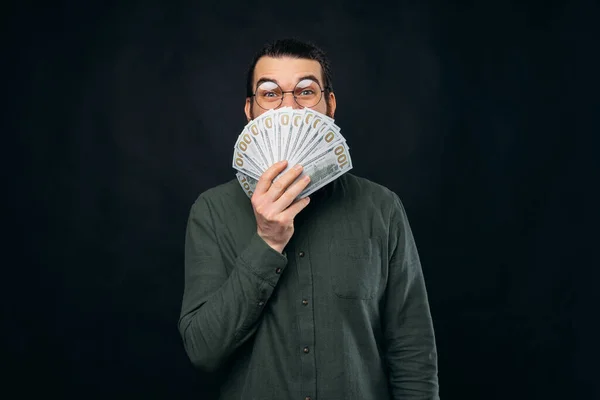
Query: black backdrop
x=479, y=115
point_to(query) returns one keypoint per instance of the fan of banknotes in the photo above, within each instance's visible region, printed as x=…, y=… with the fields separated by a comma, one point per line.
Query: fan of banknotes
x=300, y=136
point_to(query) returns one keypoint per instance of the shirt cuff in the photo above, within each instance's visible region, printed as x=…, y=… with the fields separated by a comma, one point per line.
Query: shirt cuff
x=263, y=260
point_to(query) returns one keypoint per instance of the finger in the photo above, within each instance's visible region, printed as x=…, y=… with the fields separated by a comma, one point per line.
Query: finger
x=266, y=179
x=291, y=193
x=295, y=208
x=285, y=180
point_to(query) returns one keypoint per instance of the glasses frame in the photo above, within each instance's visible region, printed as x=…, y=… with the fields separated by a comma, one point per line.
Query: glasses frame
x=327, y=88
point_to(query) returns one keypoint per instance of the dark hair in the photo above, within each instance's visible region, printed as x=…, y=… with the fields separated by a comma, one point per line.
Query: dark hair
x=296, y=49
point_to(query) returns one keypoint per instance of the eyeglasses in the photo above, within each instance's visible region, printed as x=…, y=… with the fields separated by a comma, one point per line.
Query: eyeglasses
x=307, y=93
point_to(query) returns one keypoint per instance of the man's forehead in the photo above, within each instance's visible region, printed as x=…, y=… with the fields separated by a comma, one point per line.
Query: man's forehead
x=286, y=69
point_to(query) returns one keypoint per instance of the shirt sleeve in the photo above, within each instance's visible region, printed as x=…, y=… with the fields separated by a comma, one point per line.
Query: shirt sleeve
x=410, y=341
x=222, y=304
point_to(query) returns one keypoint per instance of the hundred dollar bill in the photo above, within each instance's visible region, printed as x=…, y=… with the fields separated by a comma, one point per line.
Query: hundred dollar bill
x=247, y=183
x=322, y=168
x=300, y=136
x=327, y=135
x=292, y=139
x=284, y=118
x=258, y=134
x=312, y=122
x=246, y=154
x=266, y=123
x=246, y=170
x=325, y=167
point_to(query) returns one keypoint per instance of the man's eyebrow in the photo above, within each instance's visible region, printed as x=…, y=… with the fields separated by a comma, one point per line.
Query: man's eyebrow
x=263, y=80
x=312, y=77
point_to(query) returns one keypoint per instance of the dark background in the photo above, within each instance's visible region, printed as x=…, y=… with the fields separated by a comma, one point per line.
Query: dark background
x=482, y=116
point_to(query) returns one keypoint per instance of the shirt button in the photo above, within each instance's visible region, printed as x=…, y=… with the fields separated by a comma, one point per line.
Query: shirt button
x=261, y=303
x=305, y=302
x=278, y=271
x=306, y=350
x=307, y=398
x=301, y=254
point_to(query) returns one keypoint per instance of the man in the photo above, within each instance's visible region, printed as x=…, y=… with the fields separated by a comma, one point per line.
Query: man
x=288, y=300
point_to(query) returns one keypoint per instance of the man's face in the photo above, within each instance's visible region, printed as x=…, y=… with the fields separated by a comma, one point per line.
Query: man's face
x=287, y=72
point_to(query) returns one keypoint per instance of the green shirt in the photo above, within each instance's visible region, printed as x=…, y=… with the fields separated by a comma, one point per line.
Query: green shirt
x=341, y=314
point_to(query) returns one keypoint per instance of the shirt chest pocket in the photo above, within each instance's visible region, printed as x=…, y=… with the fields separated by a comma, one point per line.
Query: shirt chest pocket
x=357, y=272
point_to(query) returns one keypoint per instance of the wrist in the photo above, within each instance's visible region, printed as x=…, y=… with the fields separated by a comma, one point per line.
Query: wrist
x=278, y=247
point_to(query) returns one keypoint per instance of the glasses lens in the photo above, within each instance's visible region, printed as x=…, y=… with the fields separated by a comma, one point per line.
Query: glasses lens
x=307, y=93
x=268, y=95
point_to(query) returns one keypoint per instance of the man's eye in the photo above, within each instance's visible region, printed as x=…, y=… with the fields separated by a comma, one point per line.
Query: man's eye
x=307, y=92
x=269, y=94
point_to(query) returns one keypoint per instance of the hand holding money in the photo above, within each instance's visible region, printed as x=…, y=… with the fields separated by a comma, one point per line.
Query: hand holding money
x=302, y=136
x=274, y=205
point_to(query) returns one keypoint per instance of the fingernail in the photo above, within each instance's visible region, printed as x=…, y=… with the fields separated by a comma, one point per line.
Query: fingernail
x=298, y=167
